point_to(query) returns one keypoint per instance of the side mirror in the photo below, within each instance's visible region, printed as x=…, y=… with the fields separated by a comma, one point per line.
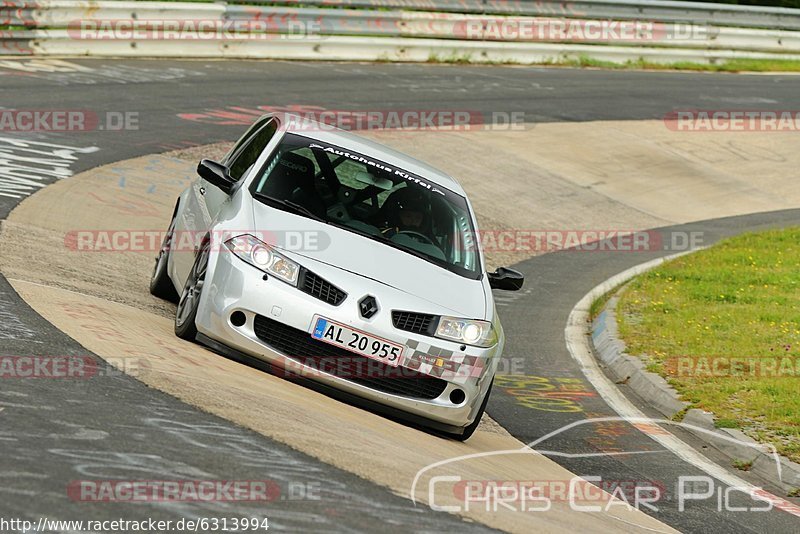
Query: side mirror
x=216, y=174
x=505, y=278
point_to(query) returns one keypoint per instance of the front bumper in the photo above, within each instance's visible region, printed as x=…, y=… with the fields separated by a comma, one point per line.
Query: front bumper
x=234, y=286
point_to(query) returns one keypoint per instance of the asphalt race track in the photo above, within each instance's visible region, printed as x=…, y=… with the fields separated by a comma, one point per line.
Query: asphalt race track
x=50, y=426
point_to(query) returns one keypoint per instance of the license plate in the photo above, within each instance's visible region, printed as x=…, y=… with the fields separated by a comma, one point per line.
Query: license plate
x=357, y=341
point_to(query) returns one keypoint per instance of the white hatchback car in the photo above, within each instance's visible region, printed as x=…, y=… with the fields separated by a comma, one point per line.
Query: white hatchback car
x=341, y=263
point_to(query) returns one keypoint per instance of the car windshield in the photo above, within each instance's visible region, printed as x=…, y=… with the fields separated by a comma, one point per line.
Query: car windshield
x=372, y=198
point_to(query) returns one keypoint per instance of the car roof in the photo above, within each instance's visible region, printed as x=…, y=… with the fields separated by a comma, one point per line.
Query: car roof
x=350, y=141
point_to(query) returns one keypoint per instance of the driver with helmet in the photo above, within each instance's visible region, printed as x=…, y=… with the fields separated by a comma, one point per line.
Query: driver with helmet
x=406, y=210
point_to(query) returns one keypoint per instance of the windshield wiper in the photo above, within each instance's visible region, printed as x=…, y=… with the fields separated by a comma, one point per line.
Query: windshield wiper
x=293, y=206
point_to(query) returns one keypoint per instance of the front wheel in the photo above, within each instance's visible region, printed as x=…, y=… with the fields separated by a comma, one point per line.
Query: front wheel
x=186, y=312
x=468, y=431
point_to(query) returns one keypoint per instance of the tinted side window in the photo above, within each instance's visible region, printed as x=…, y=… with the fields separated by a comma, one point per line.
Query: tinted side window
x=245, y=156
x=243, y=140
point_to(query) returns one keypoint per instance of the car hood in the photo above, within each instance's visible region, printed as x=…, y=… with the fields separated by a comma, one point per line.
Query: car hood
x=301, y=236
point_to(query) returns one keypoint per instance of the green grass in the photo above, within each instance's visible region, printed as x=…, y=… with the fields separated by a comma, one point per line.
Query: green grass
x=734, y=65
x=746, y=65
x=726, y=423
x=742, y=465
x=600, y=303
x=738, y=299
x=453, y=58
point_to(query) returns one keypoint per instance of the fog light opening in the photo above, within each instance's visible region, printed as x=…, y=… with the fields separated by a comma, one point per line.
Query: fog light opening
x=238, y=318
x=457, y=396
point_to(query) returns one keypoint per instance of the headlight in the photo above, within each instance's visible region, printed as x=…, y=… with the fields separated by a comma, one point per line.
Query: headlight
x=468, y=331
x=264, y=257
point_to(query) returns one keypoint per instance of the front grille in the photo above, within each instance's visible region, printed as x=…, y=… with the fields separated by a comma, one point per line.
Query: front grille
x=300, y=346
x=318, y=287
x=419, y=323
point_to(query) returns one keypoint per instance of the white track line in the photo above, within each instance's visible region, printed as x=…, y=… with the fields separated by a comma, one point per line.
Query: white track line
x=578, y=344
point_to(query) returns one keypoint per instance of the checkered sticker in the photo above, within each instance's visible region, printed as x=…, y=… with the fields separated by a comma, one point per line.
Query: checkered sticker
x=442, y=363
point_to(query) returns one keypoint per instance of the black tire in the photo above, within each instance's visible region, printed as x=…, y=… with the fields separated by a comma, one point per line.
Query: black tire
x=160, y=283
x=186, y=312
x=469, y=430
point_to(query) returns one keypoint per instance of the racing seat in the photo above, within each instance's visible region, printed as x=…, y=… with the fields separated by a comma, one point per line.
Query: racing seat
x=293, y=179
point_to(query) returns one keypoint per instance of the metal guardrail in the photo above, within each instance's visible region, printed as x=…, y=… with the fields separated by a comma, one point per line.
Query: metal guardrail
x=463, y=26
x=59, y=43
x=20, y=12
x=653, y=10
x=51, y=30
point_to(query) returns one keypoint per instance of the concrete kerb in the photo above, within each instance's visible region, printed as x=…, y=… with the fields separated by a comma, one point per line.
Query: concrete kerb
x=630, y=369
